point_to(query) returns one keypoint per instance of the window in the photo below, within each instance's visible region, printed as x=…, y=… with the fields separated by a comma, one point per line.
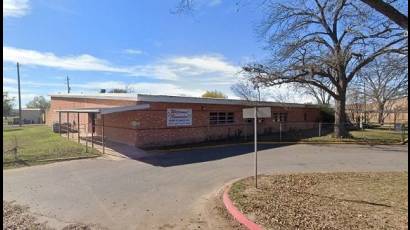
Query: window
x=280, y=117
x=216, y=118
x=305, y=116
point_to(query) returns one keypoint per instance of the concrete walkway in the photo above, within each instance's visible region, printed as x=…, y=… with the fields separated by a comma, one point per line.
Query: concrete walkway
x=168, y=191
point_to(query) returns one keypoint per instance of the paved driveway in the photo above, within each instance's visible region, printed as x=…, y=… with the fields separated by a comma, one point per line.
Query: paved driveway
x=167, y=191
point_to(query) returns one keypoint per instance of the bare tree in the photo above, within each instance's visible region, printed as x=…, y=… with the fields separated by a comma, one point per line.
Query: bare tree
x=126, y=89
x=247, y=91
x=389, y=11
x=321, y=96
x=386, y=80
x=355, y=105
x=319, y=41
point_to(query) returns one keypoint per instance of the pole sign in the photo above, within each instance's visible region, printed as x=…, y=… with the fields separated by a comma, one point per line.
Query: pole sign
x=179, y=117
x=255, y=113
x=261, y=112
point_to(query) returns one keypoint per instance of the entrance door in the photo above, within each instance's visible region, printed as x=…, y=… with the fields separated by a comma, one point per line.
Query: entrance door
x=91, y=121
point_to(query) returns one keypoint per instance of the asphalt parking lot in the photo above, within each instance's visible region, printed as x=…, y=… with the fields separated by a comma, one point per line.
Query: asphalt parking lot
x=168, y=191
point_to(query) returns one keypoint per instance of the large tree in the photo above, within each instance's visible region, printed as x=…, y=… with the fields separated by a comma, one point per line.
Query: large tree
x=385, y=80
x=318, y=42
x=388, y=10
x=39, y=102
x=7, y=105
x=214, y=94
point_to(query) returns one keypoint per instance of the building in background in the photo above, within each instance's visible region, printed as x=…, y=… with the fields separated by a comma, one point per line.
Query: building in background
x=157, y=120
x=396, y=112
x=32, y=116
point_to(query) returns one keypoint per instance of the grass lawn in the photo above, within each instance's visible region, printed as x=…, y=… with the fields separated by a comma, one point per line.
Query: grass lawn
x=325, y=200
x=38, y=144
x=367, y=135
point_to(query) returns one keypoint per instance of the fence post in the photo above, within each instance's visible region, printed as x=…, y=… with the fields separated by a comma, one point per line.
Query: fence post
x=78, y=127
x=320, y=129
x=59, y=123
x=68, y=125
x=280, y=132
x=86, y=138
x=403, y=131
x=15, y=150
x=102, y=133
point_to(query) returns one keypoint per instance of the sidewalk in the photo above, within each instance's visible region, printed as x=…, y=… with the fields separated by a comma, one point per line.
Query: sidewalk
x=113, y=150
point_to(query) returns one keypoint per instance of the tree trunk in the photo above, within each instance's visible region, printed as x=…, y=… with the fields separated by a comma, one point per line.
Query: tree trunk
x=380, y=111
x=340, y=118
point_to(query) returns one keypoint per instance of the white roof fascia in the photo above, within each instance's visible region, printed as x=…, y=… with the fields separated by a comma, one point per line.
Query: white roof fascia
x=179, y=99
x=124, y=108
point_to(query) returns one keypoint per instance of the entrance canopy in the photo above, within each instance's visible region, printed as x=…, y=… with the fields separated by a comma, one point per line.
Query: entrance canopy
x=102, y=111
x=105, y=110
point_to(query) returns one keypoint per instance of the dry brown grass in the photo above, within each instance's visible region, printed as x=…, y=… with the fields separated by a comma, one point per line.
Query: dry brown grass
x=326, y=200
x=18, y=217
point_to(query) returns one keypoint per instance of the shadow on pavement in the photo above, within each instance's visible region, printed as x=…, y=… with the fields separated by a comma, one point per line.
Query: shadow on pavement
x=168, y=159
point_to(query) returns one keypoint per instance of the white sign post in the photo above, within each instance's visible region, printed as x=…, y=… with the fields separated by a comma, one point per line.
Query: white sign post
x=255, y=113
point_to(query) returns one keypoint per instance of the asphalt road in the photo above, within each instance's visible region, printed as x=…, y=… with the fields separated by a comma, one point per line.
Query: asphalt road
x=168, y=191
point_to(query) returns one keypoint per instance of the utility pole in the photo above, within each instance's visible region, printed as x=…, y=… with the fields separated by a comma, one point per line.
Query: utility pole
x=18, y=82
x=68, y=85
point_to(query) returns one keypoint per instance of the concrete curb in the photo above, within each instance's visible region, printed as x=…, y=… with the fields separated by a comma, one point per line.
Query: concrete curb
x=240, y=217
x=68, y=158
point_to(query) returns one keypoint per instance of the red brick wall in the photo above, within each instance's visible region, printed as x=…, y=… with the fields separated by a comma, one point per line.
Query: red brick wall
x=153, y=130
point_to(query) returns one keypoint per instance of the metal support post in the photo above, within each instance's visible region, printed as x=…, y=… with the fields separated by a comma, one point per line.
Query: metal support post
x=280, y=131
x=59, y=123
x=320, y=129
x=102, y=133
x=78, y=126
x=86, y=139
x=68, y=125
x=256, y=147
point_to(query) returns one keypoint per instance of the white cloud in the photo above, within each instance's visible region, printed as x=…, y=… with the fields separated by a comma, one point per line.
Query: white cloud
x=83, y=62
x=100, y=85
x=7, y=80
x=189, y=75
x=211, y=69
x=15, y=8
x=165, y=89
x=205, y=63
x=133, y=51
x=199, y=68
x=141, y=87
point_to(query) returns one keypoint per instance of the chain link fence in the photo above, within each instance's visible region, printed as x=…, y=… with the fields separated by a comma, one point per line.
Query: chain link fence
x=316, y=131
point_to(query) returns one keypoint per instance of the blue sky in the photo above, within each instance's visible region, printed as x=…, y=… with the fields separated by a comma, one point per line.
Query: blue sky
x=114, y=44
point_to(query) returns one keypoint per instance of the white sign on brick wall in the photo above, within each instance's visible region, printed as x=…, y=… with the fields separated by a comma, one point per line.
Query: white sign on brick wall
x=262, y=112
x=179, y=117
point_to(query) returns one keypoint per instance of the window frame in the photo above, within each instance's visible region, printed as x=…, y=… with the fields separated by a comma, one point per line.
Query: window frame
x=280, y=117
x=221, y=118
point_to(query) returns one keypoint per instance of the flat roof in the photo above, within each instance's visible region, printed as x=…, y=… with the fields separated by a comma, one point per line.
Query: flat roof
x=179, y=99
x=105, y=110
x=31, y=109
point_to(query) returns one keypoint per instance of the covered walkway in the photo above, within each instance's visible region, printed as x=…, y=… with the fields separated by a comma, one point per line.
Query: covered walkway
x=83, y=133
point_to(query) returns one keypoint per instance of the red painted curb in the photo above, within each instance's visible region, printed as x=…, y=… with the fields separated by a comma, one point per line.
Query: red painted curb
x=240, y=217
